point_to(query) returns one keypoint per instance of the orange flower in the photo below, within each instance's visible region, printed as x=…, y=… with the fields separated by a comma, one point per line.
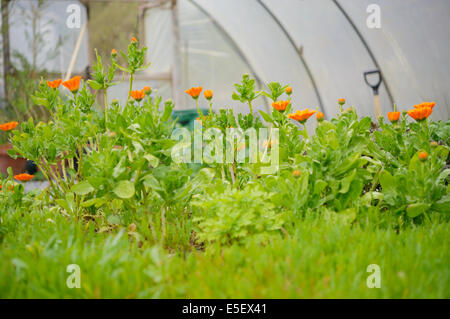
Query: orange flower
x=194, y=92
x=73, y=84
x=138, y=95
x=8, y=126
x=113, y=52
x=425, y=104
x=302, y=116
x=147, y=90
x=208, y=94
x=423, y=156
x=288, y=90
x=420, y=114
x=23, y=177
x=341, y=101
x=133, y=39
x=54, y=84
x=393, y=116
x=280, y=105
x=296, y=174
x=10, y=188
x=319, y=116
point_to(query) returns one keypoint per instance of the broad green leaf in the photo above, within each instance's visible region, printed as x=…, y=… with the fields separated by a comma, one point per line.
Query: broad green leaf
x=152, y=182
x=82, y=188
x=415, y=210
x=153, y=160
x=124, y=189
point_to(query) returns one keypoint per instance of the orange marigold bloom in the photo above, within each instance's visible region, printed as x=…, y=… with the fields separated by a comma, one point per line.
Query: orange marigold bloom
x=341, y=101
x=319, y=116
x=288, y=90
x=23, y=177
x=113, y=52
x=296, y=173
x=208, y=94
x=425, y=104
x=133, y=39
x=147, y=90
x=302, y=116
x=194, y=92
x=138, y=95
x=73, y=84
x=280, y=105
x=423, y=156
x=8, y=126
x=54, y=84
x=420, y=114
x=394, y=116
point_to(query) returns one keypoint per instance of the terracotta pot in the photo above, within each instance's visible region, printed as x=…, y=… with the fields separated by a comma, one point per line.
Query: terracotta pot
x=17, y=165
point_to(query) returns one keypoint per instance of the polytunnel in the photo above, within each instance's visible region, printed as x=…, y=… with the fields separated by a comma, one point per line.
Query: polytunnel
x=319, y=47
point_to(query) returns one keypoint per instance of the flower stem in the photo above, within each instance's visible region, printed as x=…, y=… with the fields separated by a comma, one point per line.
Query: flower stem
x=131, y=85
x=105, y=94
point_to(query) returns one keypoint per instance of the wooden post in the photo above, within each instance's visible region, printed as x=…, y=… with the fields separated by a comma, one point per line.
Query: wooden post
x=176, y=66
x=5, y=38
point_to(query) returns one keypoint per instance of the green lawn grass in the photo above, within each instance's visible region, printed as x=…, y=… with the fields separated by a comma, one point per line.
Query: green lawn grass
x=320, y=259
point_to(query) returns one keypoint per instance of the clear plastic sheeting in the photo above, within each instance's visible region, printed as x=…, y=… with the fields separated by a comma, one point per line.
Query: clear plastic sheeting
x=58, y=40
x=319, y=47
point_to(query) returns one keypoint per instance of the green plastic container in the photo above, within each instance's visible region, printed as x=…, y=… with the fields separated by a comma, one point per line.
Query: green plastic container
x=186, y=118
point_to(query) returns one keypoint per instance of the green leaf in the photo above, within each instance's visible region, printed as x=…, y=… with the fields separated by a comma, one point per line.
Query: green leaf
x=82, y=188
x=95, y=85
x=153, y=161
x=152, y=182
x=124, y=189
x=415, y=210
x=266, y=116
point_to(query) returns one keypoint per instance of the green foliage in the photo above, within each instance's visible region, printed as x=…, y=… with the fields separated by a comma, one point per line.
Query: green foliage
x=236, y=216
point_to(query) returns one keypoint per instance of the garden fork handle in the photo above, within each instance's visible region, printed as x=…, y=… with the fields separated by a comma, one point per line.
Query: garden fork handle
x=377, y=104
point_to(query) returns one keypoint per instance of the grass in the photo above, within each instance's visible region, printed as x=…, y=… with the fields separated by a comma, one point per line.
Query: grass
x=321, y=259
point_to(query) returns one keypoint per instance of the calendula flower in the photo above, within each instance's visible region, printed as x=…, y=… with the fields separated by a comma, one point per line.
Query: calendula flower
x=296, y=174
x=425, y=104
x=302, y=116
x=73, y=84
x=113, y=52
x=147, y=90
x=8, y=126
x=280, y=105
x=319, y=116
x=23, y=177
x=194, y=92
x=133, y=39
x=423, y=156
x=54, y=84
x=394, y=116
x=288, y=90
x=138, y=95
x=208, y=94
x=420, y=114
x=341, y=101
